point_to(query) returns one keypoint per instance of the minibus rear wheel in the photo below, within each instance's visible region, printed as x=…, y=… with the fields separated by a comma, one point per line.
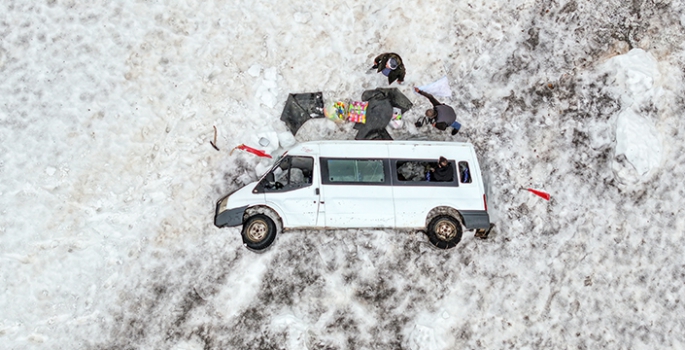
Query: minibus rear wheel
x=444, y=231
x=259, y=231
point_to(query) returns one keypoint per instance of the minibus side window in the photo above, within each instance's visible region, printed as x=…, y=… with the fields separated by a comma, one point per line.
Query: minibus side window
x=464, y=173
x=416, y=172
x=355, y=170
x=412, y=170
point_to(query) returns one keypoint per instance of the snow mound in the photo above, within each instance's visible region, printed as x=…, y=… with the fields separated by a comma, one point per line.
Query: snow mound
x=637, y=138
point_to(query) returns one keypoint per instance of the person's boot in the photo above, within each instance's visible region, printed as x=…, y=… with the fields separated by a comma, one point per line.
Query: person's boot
x=419, y=123
x=455, y=131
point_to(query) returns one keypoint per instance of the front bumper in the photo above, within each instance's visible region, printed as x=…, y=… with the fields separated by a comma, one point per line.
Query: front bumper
x=230, y=217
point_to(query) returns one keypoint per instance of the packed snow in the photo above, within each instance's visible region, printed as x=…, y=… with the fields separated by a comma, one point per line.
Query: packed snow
x=108, y=179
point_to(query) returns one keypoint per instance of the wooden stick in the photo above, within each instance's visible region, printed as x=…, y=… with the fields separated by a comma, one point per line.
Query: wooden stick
x=214, y=143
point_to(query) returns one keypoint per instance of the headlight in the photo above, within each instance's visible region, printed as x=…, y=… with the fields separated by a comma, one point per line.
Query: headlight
x=223, y=204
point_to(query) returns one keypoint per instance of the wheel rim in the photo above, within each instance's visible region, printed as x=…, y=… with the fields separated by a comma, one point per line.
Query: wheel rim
x=445, y=230
x=257, y=231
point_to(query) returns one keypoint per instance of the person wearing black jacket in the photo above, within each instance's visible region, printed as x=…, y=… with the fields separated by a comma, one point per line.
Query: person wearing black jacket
x=444, y=172
x=391, y=65
x=441, y=116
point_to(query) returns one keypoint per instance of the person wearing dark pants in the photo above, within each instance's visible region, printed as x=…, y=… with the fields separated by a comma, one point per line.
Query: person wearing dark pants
x=390, y=64
x=441, y=116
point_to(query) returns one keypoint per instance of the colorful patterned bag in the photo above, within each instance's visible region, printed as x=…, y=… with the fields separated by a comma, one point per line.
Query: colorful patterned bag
x=357, y=112
x=336, y=111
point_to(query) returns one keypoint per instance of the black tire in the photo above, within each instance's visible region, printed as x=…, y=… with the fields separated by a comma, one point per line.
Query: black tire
x=444, y=232
x=259, y=231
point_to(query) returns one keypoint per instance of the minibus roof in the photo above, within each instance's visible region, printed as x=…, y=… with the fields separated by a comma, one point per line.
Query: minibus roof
x=384, y=149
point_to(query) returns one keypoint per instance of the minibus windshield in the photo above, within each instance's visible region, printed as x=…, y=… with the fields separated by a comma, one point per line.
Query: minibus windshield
x=277, y=162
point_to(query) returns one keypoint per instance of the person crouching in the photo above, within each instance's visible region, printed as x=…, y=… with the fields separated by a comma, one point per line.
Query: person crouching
x=440, y=116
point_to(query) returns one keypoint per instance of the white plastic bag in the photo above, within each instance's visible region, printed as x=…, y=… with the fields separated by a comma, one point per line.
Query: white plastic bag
x=440, y=88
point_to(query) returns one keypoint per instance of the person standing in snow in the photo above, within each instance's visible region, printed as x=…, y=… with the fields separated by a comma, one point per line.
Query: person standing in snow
x=390, y=64
x=441, y=116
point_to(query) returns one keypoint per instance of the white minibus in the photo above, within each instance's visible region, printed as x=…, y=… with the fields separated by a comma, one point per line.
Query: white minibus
x=363, y=184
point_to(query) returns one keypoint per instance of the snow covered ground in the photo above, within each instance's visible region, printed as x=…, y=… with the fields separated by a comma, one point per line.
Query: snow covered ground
x=108, y=180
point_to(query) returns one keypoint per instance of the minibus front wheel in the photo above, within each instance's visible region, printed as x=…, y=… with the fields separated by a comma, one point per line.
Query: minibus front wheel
x=444, y=231
x=259, y=231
